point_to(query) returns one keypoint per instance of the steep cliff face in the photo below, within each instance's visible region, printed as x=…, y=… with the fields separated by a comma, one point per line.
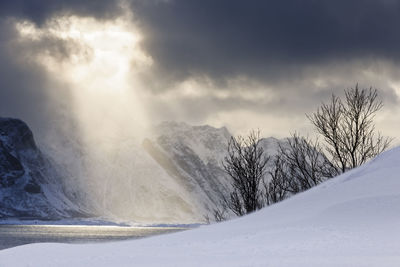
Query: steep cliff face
x=193, y=156
x=29, y=185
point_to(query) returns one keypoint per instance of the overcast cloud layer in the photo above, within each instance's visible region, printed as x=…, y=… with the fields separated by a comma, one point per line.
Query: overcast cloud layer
x=243, y=64
x=40, y=10
x=261, y=38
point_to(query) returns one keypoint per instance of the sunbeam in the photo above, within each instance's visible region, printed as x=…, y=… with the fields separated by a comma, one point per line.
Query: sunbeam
x=104, y=59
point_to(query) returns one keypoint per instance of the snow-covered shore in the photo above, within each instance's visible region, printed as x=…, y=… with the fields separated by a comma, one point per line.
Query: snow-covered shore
x=352, y=220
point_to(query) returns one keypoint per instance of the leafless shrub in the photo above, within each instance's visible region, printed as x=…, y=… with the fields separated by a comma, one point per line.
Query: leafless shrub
x=246, y=165
x=348, y=128
x=277, y=188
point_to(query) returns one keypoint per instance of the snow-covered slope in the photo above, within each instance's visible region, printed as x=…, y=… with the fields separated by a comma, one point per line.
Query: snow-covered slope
x=351, y=220
x=193, y=155
x=30, y=186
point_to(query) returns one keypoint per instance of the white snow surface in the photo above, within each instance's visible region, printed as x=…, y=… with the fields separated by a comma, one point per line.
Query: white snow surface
x=351, y=220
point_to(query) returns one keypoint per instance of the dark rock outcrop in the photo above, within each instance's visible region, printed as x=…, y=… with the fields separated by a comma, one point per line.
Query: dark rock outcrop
x=30, y=186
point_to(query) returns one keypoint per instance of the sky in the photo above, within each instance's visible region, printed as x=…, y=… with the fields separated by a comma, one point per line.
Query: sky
x=240, y=64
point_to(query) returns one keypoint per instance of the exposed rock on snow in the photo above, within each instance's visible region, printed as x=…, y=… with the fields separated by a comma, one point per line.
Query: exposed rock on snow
x=29, y=185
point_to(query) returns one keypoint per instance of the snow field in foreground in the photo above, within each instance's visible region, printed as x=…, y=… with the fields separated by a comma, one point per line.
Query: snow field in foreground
x=351, y=220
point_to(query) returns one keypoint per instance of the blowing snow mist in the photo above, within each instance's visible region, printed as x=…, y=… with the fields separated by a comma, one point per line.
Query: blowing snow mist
x=101, y=153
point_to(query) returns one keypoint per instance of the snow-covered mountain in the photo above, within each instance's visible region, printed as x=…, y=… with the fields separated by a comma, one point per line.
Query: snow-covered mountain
x=30, y=186
x=174, y=176
x=350, y=220
x=194, y=156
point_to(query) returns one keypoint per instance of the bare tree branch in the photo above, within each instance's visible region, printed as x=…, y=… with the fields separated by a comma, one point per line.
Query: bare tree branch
x=246, y=165
x=305, y=164
x=348, y=128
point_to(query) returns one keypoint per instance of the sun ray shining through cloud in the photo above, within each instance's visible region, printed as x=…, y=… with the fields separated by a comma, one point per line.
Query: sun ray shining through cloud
x=101, y=71
x=106, y=71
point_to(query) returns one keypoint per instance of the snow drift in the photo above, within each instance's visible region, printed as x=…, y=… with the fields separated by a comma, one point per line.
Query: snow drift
x=351, y=220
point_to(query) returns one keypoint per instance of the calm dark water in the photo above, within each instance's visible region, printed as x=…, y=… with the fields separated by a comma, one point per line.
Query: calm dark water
x=16, y=235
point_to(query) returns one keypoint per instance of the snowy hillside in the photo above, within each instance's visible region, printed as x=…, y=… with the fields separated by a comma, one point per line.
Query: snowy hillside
x=351, y=220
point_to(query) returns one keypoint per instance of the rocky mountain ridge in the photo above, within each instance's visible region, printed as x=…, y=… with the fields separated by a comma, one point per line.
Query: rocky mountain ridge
x=176, y=175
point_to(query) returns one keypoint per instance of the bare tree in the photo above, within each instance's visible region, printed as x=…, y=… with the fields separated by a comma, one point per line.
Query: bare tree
x=220, y=213
x=277, y=188
x=348, y=128
x=246, y=165
x=303, y=164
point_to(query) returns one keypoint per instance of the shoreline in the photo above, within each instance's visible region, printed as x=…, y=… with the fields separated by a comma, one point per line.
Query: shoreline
x=94, y=222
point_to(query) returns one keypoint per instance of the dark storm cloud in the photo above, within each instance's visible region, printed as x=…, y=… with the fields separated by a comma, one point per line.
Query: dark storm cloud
x=298, y=51
x=26, y=90
x=261, y=39
x=25, y=85
x=267, y=40
x=39, y=10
